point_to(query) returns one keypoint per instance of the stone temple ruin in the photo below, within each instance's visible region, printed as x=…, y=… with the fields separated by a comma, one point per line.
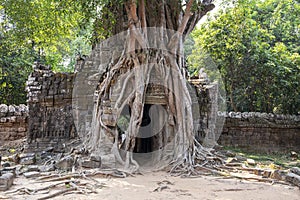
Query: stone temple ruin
x=58, y=116
x=53, y=123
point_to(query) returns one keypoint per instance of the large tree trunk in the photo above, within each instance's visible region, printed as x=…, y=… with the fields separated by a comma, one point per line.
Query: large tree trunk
x=151, y=57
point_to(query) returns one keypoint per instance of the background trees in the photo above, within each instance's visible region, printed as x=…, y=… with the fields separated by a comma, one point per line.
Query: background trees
x=256, y=46
x=47, y=31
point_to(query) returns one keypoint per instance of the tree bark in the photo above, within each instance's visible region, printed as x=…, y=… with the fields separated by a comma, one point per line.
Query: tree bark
x=141, y=60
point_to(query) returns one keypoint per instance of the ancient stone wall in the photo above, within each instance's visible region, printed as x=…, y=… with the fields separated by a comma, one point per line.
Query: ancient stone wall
x=50, y=107
x=51, y=119
x=261, y=132
x=13, y=122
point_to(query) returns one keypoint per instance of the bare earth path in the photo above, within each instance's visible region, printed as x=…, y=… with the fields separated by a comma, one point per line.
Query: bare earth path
x=142, y=187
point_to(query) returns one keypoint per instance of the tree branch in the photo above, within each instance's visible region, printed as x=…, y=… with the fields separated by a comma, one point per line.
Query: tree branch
x=186, y=17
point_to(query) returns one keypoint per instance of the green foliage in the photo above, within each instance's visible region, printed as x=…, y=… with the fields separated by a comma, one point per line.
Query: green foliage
x=256, y=47
x=52, y=32
x=15, y=66
x=49, y=26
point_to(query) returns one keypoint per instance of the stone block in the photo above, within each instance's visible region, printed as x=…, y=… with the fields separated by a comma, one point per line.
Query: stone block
x=33, y=168
x=6, y=181
x=66, y=163
x=295, y=170
x=108, y=161
x=31, y=174
x=11, y=170
x=293, y=178
x=91, y=164
x=95, y=157
x=27, y=159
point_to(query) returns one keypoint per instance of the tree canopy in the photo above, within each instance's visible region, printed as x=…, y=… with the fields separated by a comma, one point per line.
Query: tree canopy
x=255, y=44
x=47, y=31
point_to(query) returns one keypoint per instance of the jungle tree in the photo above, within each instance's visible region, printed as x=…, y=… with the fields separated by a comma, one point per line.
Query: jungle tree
x=170, y=21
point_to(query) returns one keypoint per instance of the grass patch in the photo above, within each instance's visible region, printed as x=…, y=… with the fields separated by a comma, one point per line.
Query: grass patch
x=275, y=159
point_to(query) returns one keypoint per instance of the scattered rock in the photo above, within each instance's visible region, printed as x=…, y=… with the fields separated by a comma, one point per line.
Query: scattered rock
x=295, y=170
x=31, y=174
x=267, y=173
x=108, y=161
x=66, y=163
x=294, y=155
x=230, y=154
x=47, y=168
x=258, y=172
x=240, y=158
x=33, y=168
x=250, y=162
x=293, y=178
x=91, y=164
x=6, y=181
x=6, y=164
x=11, y=170
x=279, y=175
x=27, y=161
x=95, y=157
x=231, y=160
x=27, y=158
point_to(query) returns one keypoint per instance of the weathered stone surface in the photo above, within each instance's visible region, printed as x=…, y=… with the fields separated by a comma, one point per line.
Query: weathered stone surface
x=47, y=168
x=66, y=163
x=33, y=168
x=91, y=164
x=293, y=178
x=261, y=132
x=295, y=170
x=250, y=161
x=27, y=159
x=95, y=157
x=6, y=181
x=50, y=104
x=6, y=164
x=279, y=175
x=267, y=173
x=32, y=174
x=13, y=122
x=108, y=161
x=11, y=170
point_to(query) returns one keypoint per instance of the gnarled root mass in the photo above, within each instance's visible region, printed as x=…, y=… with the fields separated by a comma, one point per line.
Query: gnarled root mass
x=150, y=58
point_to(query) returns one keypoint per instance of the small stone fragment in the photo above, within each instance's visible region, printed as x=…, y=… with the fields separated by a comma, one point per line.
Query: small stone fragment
x=240, y=158
x=31, y=174
x=279, y=175
x=11, y=170
x=6, y=181
x=91, y=164
x=95, y=157
x=32, y=168
x=65, y=163
x=250, y=161
x=293, y=178
x=27, y=161
x=108, y=161
x=295, y=170
x=267, y=173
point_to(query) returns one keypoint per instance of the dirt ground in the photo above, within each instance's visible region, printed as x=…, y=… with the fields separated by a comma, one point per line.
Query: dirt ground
x=143, y=186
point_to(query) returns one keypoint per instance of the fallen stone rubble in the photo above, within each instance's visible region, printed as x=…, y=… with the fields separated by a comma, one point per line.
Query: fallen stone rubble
x=49, y=164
